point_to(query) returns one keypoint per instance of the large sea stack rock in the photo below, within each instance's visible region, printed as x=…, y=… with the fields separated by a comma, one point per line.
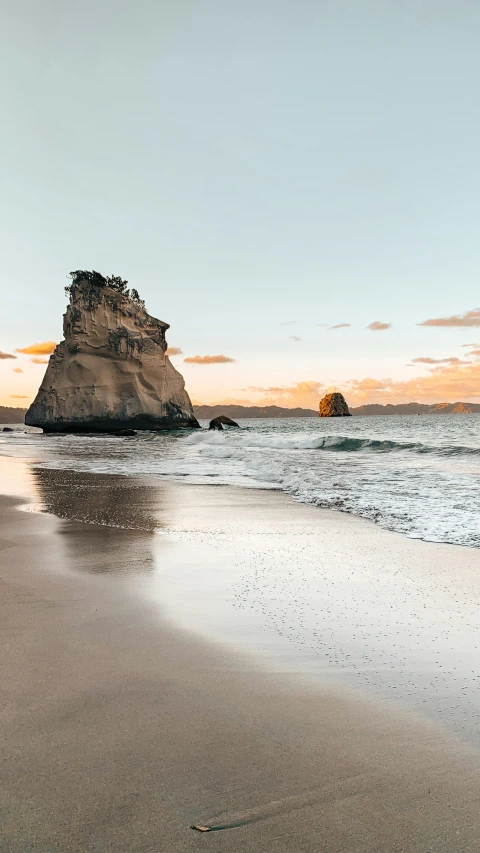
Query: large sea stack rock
x=111, y=372
x=333, y=406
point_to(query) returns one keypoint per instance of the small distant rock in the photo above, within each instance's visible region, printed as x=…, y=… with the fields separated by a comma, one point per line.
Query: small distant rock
x=333, y=406
x=217, y=423
x=7, y=429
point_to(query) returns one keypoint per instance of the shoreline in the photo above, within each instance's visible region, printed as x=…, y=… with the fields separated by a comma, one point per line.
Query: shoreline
x=121, y=732
x=121, y=729
x=333, y=599
x=398, y=478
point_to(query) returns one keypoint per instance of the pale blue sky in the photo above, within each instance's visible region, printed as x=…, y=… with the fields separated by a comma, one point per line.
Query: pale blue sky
x=244, y=164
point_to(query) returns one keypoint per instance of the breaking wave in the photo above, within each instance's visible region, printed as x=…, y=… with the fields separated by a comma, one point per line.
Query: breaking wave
x=417, y=476
x=337, y=443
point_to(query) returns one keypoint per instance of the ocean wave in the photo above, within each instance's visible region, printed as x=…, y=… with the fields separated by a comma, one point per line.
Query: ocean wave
x=411, y=475
x=337, y=443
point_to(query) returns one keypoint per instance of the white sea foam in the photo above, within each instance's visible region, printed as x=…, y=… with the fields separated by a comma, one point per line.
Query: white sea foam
x=416, y=475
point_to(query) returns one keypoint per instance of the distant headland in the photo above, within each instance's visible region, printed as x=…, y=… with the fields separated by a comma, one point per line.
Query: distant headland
x=15, y=415
x=372, y=409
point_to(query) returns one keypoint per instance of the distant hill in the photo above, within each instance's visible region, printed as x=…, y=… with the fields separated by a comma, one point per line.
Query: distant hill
x=235, y=412
x=417, y=409
x=10, y=415
x=371, y=409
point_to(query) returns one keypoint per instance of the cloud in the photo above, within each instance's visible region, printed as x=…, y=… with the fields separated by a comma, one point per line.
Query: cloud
x=377, y=326
x=6, y=355
x=452, y=382
x=45, y=348
x=322, y=324
x=288, y=323
x=174, y=351
x=339, y=326
x=295, y=338
x=272, y=389
x=39, y=360
x=303, y=394
x=469, y=319
x=17, y=370
x=367, y=385
x=209, y=359
x=447, y=380
x=18, y=397
x=427, y=360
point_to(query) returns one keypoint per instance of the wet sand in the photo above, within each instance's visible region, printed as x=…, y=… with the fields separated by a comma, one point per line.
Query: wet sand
x=322, y=594
x=120, y=730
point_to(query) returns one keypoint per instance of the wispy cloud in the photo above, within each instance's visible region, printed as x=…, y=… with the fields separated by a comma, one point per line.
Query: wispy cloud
x=427, y=360
x=454, y=381
x=449, y=379
x=39, y=360
x=469, y=319
x=288, y=323
x=6, y=355
x=18, y=396
x=44, y=348
x=303, y=394
x=378, y=326
x=295, y=338
x=367, y=385
x=174, y=351
x=209, y=359
x=17, y=370
x=444, y=383
x=339, y=326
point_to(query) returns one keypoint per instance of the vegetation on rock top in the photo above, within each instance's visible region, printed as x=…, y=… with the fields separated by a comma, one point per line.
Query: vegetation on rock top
x=114, y=282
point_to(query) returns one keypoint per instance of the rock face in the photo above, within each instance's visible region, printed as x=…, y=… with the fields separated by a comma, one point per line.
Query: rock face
x=333, y=406
x=111, y=372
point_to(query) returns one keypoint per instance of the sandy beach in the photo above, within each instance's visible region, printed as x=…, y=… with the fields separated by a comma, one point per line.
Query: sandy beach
x=121, y=729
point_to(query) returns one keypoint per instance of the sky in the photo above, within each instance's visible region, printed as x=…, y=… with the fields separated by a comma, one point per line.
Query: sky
x=273, y=176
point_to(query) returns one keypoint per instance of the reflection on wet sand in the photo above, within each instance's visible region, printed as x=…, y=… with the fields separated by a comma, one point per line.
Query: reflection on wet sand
x=119, y=732
x=109, y=521
x=319, y=593
x=103, y=499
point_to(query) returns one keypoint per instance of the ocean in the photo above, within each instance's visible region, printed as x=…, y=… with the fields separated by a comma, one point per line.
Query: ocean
x=417, y=475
